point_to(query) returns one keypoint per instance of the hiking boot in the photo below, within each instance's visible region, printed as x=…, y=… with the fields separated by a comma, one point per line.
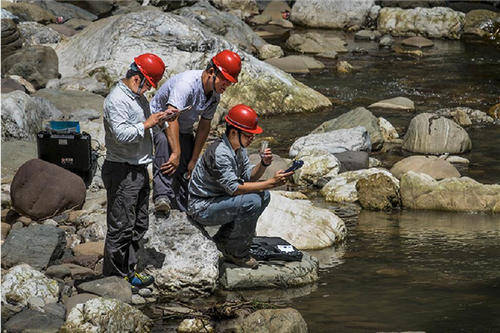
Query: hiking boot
x=140, y=280
x=135, y=290
x=162, y=205
x=247, y=262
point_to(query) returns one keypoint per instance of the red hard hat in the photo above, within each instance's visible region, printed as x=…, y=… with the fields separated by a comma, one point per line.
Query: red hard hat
x=244, y=118
x=229, y=64
x=151, y=66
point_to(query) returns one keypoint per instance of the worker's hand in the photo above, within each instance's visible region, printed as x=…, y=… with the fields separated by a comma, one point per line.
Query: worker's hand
x=171, y=114
x=280, y=178
x=169, y=167
x=267, y=157
x=153, y=120
x=190, y=167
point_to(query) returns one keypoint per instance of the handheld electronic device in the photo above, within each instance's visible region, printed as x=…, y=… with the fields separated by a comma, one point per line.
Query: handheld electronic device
x=295, y=165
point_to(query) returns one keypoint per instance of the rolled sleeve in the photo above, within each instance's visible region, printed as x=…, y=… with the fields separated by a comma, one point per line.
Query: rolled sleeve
x=118, y=119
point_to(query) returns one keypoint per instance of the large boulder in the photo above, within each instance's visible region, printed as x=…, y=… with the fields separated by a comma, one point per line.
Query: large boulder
x=270, y=275
x=183, y=261
x=330, y=13
x=188, y=46
x=378, y=192
x=267, y=320
x=67, y=10
x=319, y=167
x=482, y=24
x=36, y=33
x=232, y=28
x=396, y=103
x=433, y=166
x=314, y=42
x=438, y=22
x=24, y=286
x=37, y=245
x=22, y=115
x=421, y=191
x=342, y=188
x=110, y=287
x=41, y=190
x=302, y=224
x=432, y=134
x=11, y=37
x=71, y=102
x=106, y=315
x=296, y=63
x=28, y=12
x=240, y=8
x=37, y=64
x=357, y=117
x=338, y=141
x=475, y=117
x=99, y=8
x=30, y=320
x=353, y=160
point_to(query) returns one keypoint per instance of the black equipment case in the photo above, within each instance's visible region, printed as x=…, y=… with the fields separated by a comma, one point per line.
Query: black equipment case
x=72, y=151
x=274, y=248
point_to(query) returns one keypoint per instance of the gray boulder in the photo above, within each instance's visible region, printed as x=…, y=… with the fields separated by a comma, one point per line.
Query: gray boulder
x=432, y=134
x=41, y=190
x=378, y=192
x=352, y=160
x=337, y=141
x=183, y=261
x=336, y=14
x=319, y=167
x=269, y=275
x=99, y=8
x=37, y=245
x=66, y=10
x=109, y=287
x=36, y=33
x=438, y=22
x=188, y=46
x=268, y=51
x=36, y=63
x=33, y=321
x=72, y=102
x=357, y=117
x=267, y=320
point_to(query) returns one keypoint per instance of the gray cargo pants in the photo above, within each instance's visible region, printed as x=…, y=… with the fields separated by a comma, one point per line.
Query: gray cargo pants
x=238, y=216
x=127, y=189
x=174, y=187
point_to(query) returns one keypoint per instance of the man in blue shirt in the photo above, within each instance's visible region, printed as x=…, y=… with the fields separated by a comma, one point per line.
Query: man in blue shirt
x=176, y=149
x=224, y=187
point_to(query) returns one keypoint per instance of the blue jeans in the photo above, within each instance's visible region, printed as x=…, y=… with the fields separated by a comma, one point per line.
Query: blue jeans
x=238, y=217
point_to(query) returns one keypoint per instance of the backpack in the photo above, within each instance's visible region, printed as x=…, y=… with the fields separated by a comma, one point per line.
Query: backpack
x=274, y=248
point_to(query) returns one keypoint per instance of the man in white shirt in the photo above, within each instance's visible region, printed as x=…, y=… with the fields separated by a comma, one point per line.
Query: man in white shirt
x=176, y=148
x=129, y=149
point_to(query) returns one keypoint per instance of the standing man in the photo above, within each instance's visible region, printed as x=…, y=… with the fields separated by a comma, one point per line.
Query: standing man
x=176, y=149
x=129, y=149
x=224, y=187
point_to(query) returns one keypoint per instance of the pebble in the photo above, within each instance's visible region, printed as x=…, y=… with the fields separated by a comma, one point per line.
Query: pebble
x=17, y=225
x=145, y=292
x=50, y=222
x=137, y=299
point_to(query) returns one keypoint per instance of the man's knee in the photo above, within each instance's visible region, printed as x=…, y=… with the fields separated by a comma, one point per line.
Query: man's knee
x=252, y=204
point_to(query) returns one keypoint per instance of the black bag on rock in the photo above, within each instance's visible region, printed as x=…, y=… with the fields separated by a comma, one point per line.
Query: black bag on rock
x=274, y=248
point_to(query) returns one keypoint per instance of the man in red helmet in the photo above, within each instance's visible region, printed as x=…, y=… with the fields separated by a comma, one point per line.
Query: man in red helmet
x=176, y=148
x=224, y=187
x=128, y=125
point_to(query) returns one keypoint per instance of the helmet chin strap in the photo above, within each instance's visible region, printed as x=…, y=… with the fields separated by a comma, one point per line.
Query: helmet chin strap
x=239, y=139
x=141, y=85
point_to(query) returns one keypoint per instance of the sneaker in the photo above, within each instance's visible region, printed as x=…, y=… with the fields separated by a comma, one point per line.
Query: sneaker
x=135, y=290
x=162, y=205
x=140, y=280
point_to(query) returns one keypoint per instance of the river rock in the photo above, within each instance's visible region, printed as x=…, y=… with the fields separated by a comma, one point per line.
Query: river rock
x=457, y=160
x=357, y=117
x=494, y=111
x=314, y=42
x=269, y=275
x=302, y=224
x=296, y=63
x=37, y=64
x=389, y=133
x=28, y=87
x=30, y=320
x=337, y=141
x=241, y=8
x=100, y=8
x=267, y=320
x=28, y=12
x=417, y=41
x=438, y=22
x=72, y=301
x=110, y=287
x=36, y=245
x=182, y=260
x=89, y=249
x=63, y=29
x=66, y=10
x=106, y=315
x=421, y=191
x=10, y=85
x=463, y=113
x=432, y=134
x=335, y=14
x=319, y=167
x=5, y=230
x=195, y=325
x=36, y=33
x=342, y=188
x=78, y=272
x=367, y=35
x=396, y=103
x=483, y=24
x=11, y=37
x=386, y=41
x=21, y=118
x=41, y=190
x=69, y=102
x=352, y=160
x=268, y=51
x=190, y=46
x=232, y=28
x=378, y=192
x=433, y=166
x=22, y=283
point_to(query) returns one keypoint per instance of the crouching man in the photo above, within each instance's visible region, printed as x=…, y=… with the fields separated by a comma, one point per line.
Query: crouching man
x=224, y=188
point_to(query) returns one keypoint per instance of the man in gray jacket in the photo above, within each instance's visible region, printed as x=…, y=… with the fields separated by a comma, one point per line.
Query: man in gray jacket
x=129, y=149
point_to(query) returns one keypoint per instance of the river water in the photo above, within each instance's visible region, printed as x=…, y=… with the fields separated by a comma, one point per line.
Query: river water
x=408, y=270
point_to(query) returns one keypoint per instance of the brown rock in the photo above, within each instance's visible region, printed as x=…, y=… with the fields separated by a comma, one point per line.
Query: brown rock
x=417, y=41
x=5, y=230
x=26, y=221
x=29, y=12
x=494, y=111
x=41, y=190
x=90, y=249
x=378, y=192
x=88, y=261
x=79, y=272
x=433, y=166
x=74, y=215
x=63, y=29
x=71, y=302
